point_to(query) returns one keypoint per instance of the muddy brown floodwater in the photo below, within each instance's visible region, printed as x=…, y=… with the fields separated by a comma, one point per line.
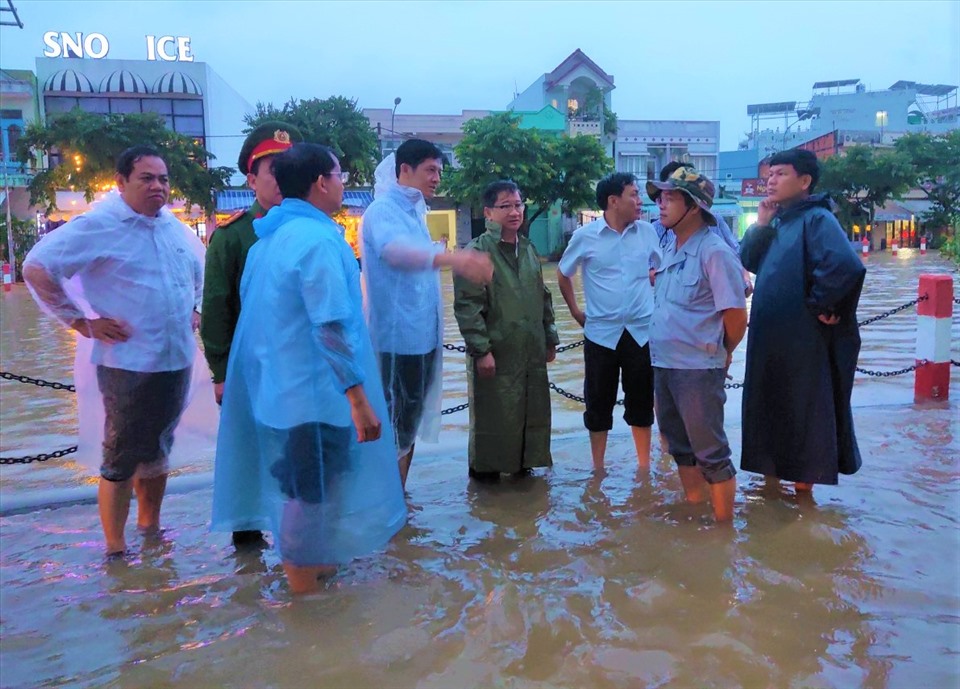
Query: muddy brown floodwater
x=564, y=579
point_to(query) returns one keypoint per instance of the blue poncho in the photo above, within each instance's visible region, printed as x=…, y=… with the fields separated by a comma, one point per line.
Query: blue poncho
x=288, y=459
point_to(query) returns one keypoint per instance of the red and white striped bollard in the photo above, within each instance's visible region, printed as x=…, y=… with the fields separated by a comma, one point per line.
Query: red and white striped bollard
x=894, y=248
x=932, y=381
x=866, y=247
x=7, y=278
x=923, y=246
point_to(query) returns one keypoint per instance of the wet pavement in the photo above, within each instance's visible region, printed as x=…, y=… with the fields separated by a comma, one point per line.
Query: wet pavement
x=563, y=579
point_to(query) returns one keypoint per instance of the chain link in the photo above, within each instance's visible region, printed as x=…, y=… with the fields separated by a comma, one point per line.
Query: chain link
x=38, y=382
x=574, y=345
x=42, y=457
x=454, y=348
x=890, y=374
x=454, y=410
x=887, y=314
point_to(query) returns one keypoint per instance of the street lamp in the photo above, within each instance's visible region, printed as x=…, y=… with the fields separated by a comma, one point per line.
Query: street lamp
x=393, y=118
x=881, y=122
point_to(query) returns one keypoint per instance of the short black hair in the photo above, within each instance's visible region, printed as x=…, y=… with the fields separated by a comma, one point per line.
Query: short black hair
x=493, y=190
x=802, y=161
x=613, y=185
x=300, y=166
x=672, y=167
x=415, y=151
x=129, y=158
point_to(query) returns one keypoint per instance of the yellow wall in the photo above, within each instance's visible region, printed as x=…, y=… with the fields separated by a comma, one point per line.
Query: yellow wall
x=442, y=224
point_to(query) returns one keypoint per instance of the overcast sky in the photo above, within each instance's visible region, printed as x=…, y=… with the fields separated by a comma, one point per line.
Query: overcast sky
x=669, y=60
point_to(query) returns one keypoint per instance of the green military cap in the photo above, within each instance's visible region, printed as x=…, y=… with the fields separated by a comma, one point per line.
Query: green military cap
x=267, y=139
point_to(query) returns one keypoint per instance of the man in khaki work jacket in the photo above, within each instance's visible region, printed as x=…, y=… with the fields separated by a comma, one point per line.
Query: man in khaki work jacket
x=508, y=327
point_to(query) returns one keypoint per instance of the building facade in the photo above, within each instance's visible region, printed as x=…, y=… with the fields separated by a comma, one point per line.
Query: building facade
x=191, y=98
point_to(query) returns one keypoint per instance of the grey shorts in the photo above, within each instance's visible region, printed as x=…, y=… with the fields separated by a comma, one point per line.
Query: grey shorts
x=690, y=416
x=406, y=380
x=142, y=411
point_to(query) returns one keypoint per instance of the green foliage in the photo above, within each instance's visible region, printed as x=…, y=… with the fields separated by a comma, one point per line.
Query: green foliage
x=24, y=237
x=547, y=169
x=88, y=145
x=864, y=179
x=950, y=249
x=595, y=109
x=336, y=122
x=936, y=162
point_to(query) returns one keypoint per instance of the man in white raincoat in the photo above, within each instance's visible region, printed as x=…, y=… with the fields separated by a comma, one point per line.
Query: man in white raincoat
x=402, y=286
x=140, y=275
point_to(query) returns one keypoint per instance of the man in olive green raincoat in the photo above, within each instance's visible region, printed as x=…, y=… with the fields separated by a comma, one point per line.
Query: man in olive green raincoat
x=508, y=327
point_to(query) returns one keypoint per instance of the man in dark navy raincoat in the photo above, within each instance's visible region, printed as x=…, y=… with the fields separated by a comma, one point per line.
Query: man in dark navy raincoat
x=803, y=341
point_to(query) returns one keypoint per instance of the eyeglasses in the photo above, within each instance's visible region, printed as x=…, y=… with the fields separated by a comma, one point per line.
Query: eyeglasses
x=511, y=207
x=344, y=176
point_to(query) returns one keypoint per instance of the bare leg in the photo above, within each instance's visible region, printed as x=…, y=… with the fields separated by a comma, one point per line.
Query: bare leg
x=598, y=448
x=113, y=500
x=721, y=495
x=641, y=440
x=149, y=497
x=405, y=463
x=695, y=488
x=803, y=487
x=306, y=579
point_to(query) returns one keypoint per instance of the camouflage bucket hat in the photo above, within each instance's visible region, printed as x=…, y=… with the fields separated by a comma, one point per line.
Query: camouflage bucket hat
x=691, y=183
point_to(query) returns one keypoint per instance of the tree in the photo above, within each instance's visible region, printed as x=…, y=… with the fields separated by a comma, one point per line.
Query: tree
x=595, y=109
x=335, y=122
x=936, y=163
x=24, y=237
x=863, y=179
x=88, y=145
x=547, y=169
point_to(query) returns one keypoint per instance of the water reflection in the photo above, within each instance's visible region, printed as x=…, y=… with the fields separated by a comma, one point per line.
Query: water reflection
x=563, y=578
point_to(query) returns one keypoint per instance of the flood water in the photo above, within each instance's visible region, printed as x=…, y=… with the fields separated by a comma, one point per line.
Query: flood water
x=563, y=579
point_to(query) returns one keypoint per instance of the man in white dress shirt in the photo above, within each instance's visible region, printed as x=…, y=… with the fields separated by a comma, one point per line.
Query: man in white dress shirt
x=142, y=277
x=614, y=253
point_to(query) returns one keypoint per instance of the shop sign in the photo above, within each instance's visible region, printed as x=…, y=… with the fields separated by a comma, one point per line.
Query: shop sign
x=96, y=46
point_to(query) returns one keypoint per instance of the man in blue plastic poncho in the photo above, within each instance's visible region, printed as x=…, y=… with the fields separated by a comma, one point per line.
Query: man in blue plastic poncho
x=301, y=450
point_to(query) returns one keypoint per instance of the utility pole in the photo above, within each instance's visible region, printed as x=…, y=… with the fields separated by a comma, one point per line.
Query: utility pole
x=6, y=8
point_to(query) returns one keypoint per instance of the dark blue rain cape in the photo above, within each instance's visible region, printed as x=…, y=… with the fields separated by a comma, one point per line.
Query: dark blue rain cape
x=287, y=453
x=797, y=421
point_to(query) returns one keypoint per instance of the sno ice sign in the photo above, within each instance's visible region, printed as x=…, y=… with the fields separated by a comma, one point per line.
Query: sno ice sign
x=96, y=46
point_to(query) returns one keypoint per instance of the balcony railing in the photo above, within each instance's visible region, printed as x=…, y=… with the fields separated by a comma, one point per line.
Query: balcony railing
x=578, y=127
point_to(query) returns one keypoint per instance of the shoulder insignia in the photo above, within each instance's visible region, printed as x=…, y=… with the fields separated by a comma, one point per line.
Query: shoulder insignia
x=232, y=219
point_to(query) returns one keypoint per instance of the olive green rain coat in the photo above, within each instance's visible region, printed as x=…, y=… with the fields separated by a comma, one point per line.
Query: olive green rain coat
x=513, y=318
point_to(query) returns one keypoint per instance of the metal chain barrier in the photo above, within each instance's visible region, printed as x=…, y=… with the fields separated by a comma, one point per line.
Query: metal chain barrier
x=890, y=374
x=42, y=457
x=54, y=385
x=38, y=382
x=887, y=314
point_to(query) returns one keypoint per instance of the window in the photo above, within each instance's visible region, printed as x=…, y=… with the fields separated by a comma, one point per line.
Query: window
x=188, y=107
x=707, y=165
x=58, y=104
x=161, y=106
x=11, y=114
x=191, y=126
x=125, y=105
x=635, y=165
x=95, y=105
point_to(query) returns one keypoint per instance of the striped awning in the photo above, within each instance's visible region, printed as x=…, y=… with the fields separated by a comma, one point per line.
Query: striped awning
x=238, y=199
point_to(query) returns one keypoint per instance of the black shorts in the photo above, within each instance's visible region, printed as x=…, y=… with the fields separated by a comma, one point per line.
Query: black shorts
x=142, y=411
x=604, y=370
x=406, y=380
x=315, y=456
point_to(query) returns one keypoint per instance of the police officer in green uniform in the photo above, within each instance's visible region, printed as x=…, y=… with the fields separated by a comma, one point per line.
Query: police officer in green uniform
x=227, y=254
